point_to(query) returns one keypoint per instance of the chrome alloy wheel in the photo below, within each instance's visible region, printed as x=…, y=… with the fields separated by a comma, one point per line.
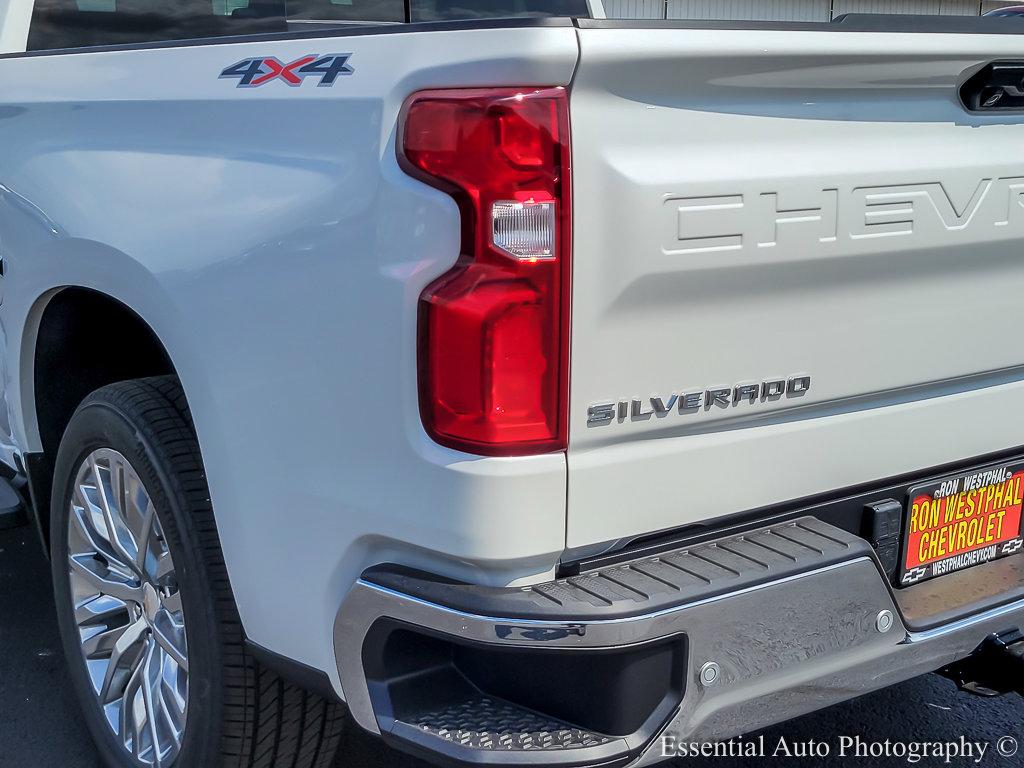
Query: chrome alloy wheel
x=128, y=608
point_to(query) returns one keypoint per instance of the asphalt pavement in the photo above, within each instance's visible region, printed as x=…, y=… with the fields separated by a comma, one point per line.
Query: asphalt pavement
x=40, y=726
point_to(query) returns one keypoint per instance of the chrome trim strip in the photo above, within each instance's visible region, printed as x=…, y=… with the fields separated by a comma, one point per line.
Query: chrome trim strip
x=966, y=623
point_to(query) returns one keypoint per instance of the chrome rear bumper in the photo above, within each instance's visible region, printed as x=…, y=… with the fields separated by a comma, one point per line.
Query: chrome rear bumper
x=816, y=631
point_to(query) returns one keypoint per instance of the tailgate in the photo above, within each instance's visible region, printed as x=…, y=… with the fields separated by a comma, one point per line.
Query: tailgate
x=816, y=208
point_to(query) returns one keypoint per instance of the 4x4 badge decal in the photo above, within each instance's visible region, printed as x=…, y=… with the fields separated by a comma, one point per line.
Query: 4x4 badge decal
x=260, y=70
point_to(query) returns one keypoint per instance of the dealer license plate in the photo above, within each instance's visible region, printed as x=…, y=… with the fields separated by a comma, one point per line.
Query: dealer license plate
x=962, y=520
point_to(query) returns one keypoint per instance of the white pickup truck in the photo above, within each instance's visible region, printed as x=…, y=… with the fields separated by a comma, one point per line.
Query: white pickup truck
x=546, y=388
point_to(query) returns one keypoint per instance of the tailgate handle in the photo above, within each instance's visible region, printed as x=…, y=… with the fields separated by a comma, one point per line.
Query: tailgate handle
x=996, y=87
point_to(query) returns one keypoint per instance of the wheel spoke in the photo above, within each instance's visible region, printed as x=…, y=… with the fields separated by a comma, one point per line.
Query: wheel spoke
x=90, y=570
x=98, y=643
x=139, y=515
x=164, y=568
x=173, y=602
x=147, y=518
x=124, y=660
x=99, y=610
x=117, y=533
x=128, y=727
x=173, y=709
x=170, y=638
x=115, y=499
x=152, y=678
x=82, y=525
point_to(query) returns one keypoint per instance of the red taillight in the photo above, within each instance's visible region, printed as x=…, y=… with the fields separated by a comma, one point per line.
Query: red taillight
x=493, y=331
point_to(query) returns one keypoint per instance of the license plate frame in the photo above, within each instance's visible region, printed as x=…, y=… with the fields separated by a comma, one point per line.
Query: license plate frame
x=951, y=522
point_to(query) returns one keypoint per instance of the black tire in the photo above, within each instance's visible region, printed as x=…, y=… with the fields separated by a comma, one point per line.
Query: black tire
x=240, y=714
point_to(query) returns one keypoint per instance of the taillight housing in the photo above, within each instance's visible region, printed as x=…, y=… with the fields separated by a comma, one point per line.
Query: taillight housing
x=494, y=330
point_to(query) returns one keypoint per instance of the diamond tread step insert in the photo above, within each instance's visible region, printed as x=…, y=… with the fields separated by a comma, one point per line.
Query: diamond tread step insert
x=485, y=723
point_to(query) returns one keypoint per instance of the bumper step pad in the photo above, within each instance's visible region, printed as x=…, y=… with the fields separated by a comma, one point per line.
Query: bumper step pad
x=650, y=584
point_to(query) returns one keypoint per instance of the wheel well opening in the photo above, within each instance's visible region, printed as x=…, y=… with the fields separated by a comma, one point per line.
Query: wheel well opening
x=85, y=341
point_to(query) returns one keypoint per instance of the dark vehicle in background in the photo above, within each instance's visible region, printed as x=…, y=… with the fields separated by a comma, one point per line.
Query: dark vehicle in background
x=1008, y=11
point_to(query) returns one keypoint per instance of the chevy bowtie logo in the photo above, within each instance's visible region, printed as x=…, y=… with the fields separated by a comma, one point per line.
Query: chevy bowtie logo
x=914, y=574
x=258, y=71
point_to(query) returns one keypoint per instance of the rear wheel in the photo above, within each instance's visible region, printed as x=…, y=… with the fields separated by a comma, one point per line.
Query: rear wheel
x=149, y=625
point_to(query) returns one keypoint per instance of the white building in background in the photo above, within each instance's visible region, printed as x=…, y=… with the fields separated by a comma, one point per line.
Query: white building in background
x=791, y=10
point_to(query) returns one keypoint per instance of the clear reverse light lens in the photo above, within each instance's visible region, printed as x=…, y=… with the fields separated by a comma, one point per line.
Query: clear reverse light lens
x=524, y=230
